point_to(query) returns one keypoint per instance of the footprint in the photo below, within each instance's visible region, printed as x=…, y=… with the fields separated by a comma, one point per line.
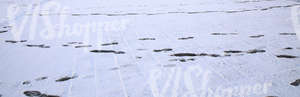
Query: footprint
x=107, y=51
x=107, y=44
x=65, y=45
x=74, y=14
x=138, y=57
x=224, y=33
x=183, y=60
x=288, y=48
x=6, y=27
x=26, y=82
x=41, y=78
x=233, y=51
x=82, y=46
x=66, y=78
x=184, y=54
x=163, y=50
x=141, y=49
x=185, y=38
x=95, y=14
x=39, y=46
x=75, y=43
x=3, y=31
x=147, y=39
x=193, y=54
x=287, y=33
x=170, y=65
x=13, y=41
x=37, y=94
x=295, y=83
x=256, y=36
x=286, y=56
x=33, y=93
x=255, y=51
x=114, y=68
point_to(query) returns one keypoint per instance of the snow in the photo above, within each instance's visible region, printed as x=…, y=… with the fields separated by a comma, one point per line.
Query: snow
x=140, y=72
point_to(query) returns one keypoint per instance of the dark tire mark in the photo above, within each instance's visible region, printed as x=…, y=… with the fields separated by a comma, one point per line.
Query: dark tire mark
x=295, y=83
x=163, y=50
x=107, y=51
x=286, y=56
x=66, y=78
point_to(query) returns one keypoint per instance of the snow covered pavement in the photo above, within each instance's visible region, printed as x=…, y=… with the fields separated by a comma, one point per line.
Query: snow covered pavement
x=149, y=48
